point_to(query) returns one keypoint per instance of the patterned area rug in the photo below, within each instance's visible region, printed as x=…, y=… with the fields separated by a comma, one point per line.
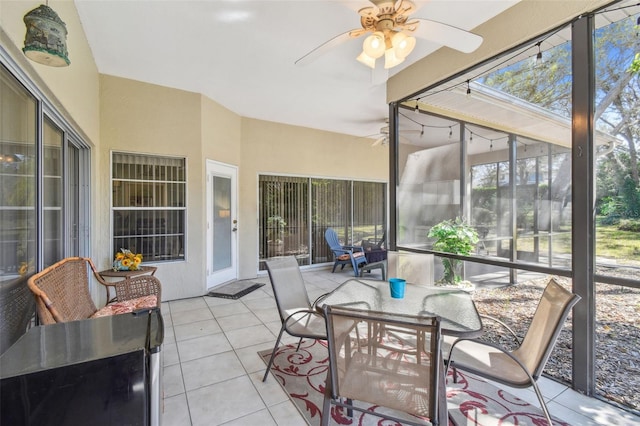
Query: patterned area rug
x=234, y=290
x=471, y=401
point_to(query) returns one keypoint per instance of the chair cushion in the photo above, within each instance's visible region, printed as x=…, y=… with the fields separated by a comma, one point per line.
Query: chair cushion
x=347, y=257
x=127, y=306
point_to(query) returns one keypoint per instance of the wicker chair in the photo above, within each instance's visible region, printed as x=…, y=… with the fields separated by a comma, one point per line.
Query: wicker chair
x=62, y=292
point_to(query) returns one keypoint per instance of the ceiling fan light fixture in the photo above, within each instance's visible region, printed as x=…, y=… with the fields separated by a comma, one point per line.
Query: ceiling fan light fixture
x=363, y=58
x=402, y=44
x=374, y=45
x=390, y=59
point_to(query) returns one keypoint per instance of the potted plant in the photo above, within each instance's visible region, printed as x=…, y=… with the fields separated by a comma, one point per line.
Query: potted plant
x=457, y=237
x=275, y=227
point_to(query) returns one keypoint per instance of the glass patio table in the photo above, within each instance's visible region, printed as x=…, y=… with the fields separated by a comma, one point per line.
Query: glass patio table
x=457, y=312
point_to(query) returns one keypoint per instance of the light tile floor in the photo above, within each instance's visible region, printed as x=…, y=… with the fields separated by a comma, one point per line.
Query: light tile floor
x=213, y=375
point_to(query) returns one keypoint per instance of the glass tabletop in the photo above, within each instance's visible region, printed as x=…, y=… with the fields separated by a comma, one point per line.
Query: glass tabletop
x=458, y=313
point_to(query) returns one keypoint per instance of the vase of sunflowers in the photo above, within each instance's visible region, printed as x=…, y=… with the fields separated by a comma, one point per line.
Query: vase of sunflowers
x=126, y=260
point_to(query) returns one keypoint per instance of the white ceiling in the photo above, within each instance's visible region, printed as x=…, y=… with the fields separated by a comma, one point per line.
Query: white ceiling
x=241, y=53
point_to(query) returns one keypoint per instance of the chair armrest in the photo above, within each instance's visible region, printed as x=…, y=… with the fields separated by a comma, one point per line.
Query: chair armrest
x=139, y=286
x=319, y=298
x=513, y=333
x=342, y=251
x=305, y=311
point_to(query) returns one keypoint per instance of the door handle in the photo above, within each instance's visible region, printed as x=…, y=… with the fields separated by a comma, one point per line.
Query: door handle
x=234, y=229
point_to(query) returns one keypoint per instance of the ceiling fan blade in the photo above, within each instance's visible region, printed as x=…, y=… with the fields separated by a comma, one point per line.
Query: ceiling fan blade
x=447, y=35
x=379, y=141
x=379, y=75
x=324, y=48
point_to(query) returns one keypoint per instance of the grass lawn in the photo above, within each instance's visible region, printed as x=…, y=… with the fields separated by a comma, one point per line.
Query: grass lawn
x=623, y=246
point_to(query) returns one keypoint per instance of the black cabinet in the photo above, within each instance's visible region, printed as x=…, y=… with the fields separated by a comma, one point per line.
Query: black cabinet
x=103, y=371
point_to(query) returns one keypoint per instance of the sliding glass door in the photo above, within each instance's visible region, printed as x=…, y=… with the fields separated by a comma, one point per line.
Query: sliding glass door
x=295, y=212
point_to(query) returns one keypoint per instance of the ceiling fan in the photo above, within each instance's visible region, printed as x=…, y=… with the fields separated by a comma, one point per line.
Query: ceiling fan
x=382, y=137
x=391, y=33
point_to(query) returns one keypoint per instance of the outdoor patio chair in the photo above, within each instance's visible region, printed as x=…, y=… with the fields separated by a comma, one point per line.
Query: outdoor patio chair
x=522, y=366
x=62, y=293
x=371, y=244
x=386, y=360
x=298, y=315
x=344, y=255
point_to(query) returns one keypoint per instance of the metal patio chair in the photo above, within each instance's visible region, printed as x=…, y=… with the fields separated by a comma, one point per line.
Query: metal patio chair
x=298, y=315
x=387, y=360
x=522, y=366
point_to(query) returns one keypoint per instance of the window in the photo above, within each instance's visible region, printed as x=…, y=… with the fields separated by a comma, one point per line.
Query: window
x=17, y=177
x=543, y=215
x=44, y=210
x=296, y=211
x=148, y=205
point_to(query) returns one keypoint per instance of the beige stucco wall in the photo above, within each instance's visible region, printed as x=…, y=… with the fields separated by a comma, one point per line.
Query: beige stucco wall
x=146, y=118
x=221, y=133
x=520, y=23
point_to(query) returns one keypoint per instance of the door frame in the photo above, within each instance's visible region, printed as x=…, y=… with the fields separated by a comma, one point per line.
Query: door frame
x=216, y=168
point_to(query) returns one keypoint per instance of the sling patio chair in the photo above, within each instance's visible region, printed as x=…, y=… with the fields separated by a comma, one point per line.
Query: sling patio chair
x=344, y=255
x=298, y=315
x=385, y=365
x=522, y=366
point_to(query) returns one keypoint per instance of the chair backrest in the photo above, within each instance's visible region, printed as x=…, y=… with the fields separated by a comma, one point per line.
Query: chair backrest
x=288, y=285
x=373, y=358
x=62, y=291
x=332, y=239
x=368, y=244
x=552, y=311
x=383, y=240
x=416, y=268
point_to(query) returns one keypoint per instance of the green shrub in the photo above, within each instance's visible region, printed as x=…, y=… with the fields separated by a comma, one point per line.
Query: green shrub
x=612, y=219
x=457, y=237
x=629, y=225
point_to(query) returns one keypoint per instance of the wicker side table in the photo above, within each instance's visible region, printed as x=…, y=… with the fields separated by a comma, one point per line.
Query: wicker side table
x=125, y=275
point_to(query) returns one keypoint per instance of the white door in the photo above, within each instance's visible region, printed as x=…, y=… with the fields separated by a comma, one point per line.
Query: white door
x=222, y=226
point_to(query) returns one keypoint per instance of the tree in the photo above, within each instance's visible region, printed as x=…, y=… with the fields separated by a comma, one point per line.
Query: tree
x=617, y=109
